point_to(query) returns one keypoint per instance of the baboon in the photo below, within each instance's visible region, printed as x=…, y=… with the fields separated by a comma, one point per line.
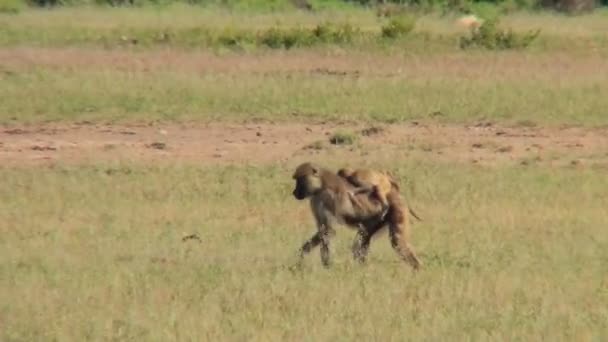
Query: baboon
x=378, y=183
x=331, y=202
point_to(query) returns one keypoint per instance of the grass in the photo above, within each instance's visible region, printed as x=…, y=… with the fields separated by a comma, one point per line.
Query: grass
x=89, y=69
x=95, y=252
x=192, y=27
x=342, y=137
x=284, y=96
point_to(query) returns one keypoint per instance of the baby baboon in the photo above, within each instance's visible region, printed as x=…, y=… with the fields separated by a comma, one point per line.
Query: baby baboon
x=331, y=198
x=376, y=182
x=379, y=183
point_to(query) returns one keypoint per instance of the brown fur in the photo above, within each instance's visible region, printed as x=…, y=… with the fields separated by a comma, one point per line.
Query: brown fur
x=379, y=183
x=376, y=182
x=333, y=198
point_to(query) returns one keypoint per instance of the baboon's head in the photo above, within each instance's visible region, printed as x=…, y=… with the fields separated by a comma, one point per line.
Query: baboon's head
x=345, y=172
x=308, y=181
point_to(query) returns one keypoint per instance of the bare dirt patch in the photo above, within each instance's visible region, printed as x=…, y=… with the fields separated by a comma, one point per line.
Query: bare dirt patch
x=265, y=143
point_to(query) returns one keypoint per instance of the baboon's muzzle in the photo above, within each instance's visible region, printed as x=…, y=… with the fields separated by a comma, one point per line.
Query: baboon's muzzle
x=298, y=193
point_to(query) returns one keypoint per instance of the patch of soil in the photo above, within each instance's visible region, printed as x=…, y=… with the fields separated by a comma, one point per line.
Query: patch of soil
x=264, y=143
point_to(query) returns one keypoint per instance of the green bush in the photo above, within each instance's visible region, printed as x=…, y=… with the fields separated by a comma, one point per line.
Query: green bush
x=285, y=38
x=398, y=27
x=278, y=38
x=491, y=37
x=330, y=33
x=11, y=6
x=232, y=37
x=343, y=138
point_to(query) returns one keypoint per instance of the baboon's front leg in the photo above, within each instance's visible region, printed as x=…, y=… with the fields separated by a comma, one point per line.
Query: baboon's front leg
x=320, y=238
x=310, y=244
x=326, y=233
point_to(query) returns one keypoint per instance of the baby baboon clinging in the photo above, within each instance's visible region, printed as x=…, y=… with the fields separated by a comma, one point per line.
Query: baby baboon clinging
x=331, y=199
x=379, y=183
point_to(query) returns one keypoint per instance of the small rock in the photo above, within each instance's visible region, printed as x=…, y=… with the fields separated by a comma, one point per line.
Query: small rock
x=16, y=131
x=505, y=149
x=157, y=145
x=43, y=148
x=192, y=237
x=372, y=131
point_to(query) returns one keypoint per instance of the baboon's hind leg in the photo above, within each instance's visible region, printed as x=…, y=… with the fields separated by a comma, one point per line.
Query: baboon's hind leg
x=401, y=244
x=399, y=232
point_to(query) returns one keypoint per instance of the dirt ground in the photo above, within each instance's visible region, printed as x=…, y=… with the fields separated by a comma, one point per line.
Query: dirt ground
x=264, y=143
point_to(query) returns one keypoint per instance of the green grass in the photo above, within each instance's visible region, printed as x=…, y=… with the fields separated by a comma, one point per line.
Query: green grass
x=194, y=27
x=553, y=83
x=95, y=252
x=284, y=96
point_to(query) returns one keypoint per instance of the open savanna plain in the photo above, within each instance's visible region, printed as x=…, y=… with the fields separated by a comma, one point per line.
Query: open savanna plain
x=145, y=189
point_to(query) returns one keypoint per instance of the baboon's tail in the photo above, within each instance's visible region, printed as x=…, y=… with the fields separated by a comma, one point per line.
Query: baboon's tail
x=396, y=186
x=392, y=180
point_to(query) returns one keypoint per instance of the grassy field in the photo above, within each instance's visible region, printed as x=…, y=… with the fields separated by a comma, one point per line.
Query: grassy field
x=95, y=253
x=87, y=70
x=514, y=248
x=188, y=27
x=462, y=88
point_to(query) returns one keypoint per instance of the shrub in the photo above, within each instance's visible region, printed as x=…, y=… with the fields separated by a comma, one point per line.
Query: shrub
x=491, y=37
x=232, y=37
x=330, y=33
x=277, y=38
x=343, y=138
x=11, y=6
x=398, y=27
x=570, y=6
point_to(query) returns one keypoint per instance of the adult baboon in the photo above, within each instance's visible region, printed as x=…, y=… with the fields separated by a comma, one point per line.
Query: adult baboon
x=331, y=202
x=379, y=183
